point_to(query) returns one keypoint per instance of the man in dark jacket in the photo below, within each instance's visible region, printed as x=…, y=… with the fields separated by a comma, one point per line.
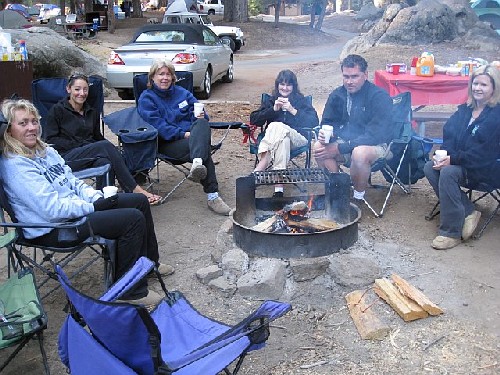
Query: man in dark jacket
x=361, y=116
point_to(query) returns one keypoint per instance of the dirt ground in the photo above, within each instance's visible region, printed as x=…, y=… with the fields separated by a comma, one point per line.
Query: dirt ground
x=318, y=336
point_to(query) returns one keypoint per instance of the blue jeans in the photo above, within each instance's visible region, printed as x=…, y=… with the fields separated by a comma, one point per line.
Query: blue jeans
x=455, y=205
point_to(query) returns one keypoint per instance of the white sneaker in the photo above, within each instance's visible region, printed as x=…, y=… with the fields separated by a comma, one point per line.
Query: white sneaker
x=198, y=171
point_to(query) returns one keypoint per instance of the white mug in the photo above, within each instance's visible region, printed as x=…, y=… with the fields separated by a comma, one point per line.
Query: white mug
x=439, y=155
x=198, y=109
x=327, y=131
x=109, y=191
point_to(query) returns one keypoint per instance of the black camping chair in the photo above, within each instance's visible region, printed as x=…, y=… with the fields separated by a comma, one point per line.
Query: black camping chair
x=48, y=91
x=253, y=140
x=138, y=139
x=397, y=163
x=18, y=256
x=22, y=316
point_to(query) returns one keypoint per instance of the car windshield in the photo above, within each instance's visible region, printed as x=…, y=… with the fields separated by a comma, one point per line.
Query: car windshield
x=163, y=36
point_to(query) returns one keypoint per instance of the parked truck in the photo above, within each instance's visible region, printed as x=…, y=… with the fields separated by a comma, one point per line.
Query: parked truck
x=211, y=7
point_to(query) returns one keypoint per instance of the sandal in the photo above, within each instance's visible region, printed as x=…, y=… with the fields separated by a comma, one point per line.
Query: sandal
x=153, y=199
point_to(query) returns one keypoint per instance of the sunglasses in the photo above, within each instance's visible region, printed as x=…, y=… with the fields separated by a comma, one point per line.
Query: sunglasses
x=76, y=76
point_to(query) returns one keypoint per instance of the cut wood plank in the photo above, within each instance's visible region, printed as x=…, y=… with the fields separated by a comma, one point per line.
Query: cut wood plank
x=416, y=295
x=405, y=307
x=266, y=225
x=369, y=326
x=313, y=223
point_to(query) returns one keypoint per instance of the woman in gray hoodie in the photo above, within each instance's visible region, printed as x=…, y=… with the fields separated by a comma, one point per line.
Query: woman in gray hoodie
x=42, y=188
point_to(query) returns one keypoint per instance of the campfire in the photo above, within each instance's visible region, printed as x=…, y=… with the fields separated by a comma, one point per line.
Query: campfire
x=295, y=218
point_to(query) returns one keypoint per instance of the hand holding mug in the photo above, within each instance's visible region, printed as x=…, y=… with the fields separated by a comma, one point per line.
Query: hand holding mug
x=325, y=133
x=278, y=104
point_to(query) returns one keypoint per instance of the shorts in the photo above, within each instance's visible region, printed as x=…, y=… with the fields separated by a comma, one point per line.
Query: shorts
x=382, y=151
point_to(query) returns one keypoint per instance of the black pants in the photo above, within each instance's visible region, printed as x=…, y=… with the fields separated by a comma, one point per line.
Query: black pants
x=198, y=145
x=131, y=225
x=101, y=153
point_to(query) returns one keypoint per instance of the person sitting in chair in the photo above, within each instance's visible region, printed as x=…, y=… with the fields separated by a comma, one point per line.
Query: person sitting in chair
x=287, y=112
x=360, y=114
x=181, y=136
x=73, y=129
x=42, y=188
x=471, y=137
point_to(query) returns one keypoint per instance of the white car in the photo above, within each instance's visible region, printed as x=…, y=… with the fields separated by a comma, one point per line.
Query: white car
x=211, y=7
x=191, y=48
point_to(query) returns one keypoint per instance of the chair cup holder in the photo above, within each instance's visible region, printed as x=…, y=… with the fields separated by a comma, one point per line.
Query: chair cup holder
x=142, y=129
x=123, y=131
x=11, y=331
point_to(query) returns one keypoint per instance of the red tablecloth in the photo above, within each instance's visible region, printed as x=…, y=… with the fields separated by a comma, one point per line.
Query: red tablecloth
x=438, y=89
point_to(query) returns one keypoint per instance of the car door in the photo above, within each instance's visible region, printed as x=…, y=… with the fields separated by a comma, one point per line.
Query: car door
x=216, y=53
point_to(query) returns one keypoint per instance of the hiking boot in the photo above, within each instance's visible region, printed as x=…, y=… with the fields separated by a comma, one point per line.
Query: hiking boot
x=163, y=269
x=470, y=225
x=218, y=206
x=443, y=243
x=151, y=299
x=198, y=171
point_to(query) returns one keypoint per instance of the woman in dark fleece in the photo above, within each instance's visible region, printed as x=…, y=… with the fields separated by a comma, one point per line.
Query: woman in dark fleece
x=471, y=138
x=73, y=129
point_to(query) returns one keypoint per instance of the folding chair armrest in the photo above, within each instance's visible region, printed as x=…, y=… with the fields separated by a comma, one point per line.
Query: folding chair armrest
x=93, y=172
x=140, y=269
x=226, y=125
x=61, y=225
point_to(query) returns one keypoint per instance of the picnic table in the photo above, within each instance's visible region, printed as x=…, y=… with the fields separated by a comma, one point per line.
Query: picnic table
x=74, y=30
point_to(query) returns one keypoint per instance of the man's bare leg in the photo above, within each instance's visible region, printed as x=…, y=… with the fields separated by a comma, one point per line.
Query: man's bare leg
x=362, y=158
x=263, y=162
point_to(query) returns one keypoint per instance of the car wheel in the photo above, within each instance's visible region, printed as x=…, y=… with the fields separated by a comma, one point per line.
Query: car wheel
x=211, y=12
x=126, y=94
x=228, y=41
x=207, y=85
x=228, y=77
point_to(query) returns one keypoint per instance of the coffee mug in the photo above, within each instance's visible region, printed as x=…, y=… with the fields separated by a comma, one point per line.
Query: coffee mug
x=109, y=191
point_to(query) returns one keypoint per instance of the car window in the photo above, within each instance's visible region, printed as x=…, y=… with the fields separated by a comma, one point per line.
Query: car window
x=492, y=4
x=174, y=20
x=210, y=38
x=161, y=36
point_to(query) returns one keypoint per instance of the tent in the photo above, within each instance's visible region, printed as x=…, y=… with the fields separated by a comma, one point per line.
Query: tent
x=10, y=19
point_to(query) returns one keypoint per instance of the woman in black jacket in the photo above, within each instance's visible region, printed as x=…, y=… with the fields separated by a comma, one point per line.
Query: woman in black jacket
x=286, y=113
x=471, y=138
x=73, y=129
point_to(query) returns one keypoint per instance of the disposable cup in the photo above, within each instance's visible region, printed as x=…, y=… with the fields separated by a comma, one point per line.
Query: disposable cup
x=439, y=155
x=327, y=131
x=198, y=109
x=395, y=69
x=109, y=191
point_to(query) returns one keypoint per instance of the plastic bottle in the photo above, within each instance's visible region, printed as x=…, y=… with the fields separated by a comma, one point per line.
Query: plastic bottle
x=413, y=67
x=5, y=53
x=425, y=66
x=23, y=50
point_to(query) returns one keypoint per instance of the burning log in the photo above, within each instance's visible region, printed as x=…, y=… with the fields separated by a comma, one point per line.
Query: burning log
x=317, y=225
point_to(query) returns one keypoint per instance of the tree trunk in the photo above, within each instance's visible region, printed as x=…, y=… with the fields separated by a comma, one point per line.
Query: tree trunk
x=277, y=6
x=236, y=11
x=88, y=6
x=111, y=19
x=321, y=16
x=137, y=13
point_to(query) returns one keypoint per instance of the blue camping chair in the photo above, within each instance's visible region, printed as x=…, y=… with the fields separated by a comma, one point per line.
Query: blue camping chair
x=106, y=337
x=48, y=91
x=138, y=139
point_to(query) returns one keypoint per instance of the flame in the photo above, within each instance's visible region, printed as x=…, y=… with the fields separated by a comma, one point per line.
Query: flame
x=310, y=202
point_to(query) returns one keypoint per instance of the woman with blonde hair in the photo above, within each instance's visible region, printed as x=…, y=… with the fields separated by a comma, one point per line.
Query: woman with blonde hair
x=471, y=138
x=41, y=188
x=181, y=135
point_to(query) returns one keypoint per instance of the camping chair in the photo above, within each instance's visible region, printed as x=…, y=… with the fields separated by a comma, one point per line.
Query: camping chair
x=22, y=316
x=407, y=155
x=102, y=336
x=484, y=190
x=18, y=258
x=253, y=140
x=138, y=139
x=48, y=91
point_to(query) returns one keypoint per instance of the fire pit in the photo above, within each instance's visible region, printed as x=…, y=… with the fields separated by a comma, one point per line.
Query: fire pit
x=330, y=223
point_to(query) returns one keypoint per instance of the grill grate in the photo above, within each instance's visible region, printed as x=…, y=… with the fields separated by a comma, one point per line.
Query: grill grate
x=291, y=176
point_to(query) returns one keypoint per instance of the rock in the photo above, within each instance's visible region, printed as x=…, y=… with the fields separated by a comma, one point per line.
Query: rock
x=235, y=262
x=369, y=12
x=55, y=56
x=207, y=274
x=353, y=272
x=308, y=268
x=265, y=279
x=223, y=285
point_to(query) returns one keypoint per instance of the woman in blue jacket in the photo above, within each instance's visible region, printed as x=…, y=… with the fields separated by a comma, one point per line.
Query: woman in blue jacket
x=181, y=135
x=471, y=138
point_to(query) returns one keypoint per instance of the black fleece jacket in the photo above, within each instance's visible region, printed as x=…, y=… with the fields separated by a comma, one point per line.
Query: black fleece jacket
x=475, y=147
x=66, y=129
x=370, y=121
